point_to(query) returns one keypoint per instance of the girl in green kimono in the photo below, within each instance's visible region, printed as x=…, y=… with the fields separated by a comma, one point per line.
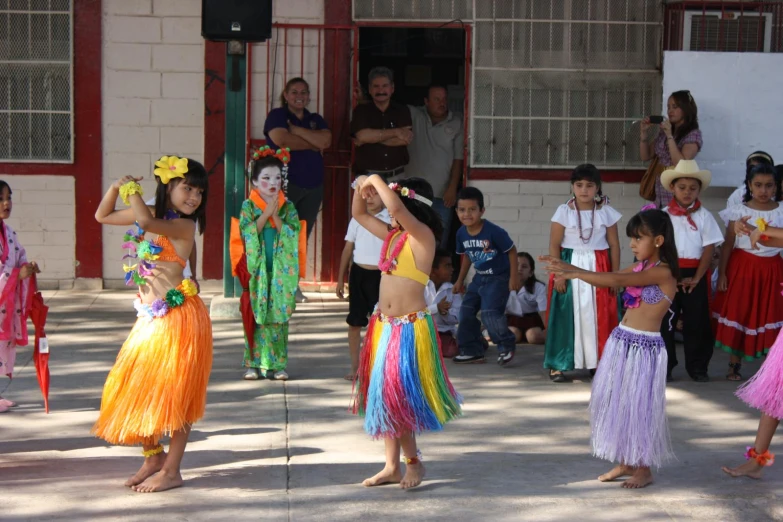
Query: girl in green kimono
x=270, y=230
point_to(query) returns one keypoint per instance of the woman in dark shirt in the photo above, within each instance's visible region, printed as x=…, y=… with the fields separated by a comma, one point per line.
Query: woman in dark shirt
x=306, y=134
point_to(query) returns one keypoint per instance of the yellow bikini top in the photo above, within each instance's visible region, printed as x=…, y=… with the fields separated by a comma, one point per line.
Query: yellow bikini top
x=405, y=265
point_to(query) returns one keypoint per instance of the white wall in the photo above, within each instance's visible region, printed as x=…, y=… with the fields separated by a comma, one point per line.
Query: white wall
x=739, y=101
x=153, y=95
x=44, y=217
x=525, y=208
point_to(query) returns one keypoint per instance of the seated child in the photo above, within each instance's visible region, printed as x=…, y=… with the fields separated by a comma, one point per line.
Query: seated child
x=362, y=252
x=442, y=303
x=525, y=309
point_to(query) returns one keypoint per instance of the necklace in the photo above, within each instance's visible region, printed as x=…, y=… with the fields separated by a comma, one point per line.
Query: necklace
x=585, y=240
x=388, y=262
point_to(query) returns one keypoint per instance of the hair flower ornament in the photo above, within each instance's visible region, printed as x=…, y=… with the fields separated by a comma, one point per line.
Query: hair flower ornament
x=169, y=167
x=409, y=193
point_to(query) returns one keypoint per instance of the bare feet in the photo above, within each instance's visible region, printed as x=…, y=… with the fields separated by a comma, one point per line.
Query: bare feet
x=386, y=476
x=350, y=376
x=160, y=482
x=414, y=473
x=150, y=466
x=618, y=471
x=641, y=477
x=750, y=469
x=7, y=403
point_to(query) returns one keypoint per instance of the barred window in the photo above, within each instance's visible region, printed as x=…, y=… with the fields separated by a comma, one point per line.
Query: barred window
x=420, y=10
x=36, y=80
x=558, y=83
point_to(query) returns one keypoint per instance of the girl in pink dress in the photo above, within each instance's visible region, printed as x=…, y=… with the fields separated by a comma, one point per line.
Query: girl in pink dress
x=15, y=293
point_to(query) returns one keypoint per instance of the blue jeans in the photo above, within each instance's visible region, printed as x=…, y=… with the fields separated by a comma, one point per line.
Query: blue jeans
x=445, y=214
x=488, y=294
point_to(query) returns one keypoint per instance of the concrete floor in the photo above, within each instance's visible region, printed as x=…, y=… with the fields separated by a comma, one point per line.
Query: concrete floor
x=292, y=451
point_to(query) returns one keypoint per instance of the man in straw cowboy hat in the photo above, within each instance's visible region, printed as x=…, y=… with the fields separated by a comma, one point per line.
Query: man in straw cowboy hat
x=696, y=233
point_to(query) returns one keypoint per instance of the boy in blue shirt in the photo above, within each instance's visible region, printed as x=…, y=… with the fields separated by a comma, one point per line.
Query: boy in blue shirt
x=492, y=252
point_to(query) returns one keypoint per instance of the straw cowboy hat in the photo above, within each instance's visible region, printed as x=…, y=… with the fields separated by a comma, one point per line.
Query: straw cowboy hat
x=686, y=169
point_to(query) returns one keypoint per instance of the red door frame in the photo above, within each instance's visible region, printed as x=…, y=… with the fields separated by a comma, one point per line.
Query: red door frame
x=87, y=166
x=337, y=18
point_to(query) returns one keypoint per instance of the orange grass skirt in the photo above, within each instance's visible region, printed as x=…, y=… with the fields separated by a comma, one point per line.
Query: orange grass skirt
x=159, y=382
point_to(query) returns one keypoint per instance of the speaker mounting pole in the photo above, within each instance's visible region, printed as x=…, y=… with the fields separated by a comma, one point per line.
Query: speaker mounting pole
x=236, y=141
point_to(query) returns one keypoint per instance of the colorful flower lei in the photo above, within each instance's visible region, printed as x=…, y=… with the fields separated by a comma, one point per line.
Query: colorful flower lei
x=144, y=251
x=174, y=298
x=169, y=167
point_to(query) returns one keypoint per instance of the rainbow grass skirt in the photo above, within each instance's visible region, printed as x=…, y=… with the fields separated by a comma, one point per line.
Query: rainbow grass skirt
x=402, y=385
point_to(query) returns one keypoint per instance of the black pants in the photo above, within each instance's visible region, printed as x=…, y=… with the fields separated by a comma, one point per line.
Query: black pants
x=307, y=202
x=696, y=330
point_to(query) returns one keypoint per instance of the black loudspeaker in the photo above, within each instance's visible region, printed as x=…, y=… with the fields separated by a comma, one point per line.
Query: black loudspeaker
x=245, y=20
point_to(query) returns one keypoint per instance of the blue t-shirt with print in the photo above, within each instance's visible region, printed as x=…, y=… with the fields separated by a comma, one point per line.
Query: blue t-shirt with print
x=487, y=250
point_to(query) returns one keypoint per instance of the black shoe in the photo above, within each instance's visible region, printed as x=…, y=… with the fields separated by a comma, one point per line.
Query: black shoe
x=558, y=377
x=592, y=372
x=669, y=377
x=505, y=357
x=700, y=377
x=469, y=359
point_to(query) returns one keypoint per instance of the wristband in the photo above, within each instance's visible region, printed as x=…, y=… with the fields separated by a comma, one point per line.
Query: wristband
x=128, y=189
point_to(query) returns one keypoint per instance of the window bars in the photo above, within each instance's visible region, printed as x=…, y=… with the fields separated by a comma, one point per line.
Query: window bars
x=415, y=10
x=558, y=83
x=36, y=80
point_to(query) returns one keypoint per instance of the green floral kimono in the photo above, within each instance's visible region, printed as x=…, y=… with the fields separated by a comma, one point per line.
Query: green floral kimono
x=273, y=264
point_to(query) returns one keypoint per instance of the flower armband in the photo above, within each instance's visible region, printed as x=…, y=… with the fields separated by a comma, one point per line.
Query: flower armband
x=128, y=189
x=762, y=224
x=762, y=459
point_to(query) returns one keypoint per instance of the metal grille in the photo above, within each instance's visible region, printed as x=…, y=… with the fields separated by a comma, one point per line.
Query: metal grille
x=728, y=31
x=559, y=83
x=414, y=10
x=36, y=79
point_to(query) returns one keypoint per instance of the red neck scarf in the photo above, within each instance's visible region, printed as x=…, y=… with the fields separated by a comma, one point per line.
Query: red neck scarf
x=676, y=210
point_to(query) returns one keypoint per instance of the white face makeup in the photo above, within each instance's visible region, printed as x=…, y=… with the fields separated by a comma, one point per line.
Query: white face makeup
x=269, y=182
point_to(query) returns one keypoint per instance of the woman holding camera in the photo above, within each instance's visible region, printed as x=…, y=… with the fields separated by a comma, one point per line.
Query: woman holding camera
x=679, y=138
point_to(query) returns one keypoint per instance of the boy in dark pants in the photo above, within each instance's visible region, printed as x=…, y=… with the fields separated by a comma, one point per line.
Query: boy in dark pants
x=362, y=252
x=492, y=252
x=695, y=233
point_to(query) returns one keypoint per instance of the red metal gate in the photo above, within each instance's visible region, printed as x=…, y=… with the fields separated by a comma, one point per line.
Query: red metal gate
x=322, y=55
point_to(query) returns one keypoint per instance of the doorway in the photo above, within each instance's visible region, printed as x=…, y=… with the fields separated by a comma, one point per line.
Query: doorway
x=419, y=57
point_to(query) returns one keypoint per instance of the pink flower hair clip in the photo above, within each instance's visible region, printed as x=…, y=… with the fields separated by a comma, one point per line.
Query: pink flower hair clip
x=409, y=193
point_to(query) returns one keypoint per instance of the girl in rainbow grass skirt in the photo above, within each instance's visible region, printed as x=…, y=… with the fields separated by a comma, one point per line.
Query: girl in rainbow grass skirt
x=158, y=385
x=402, y=387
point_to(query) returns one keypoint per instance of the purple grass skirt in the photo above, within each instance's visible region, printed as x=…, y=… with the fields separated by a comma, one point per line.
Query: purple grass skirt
x=628, y=401
x=765, y=390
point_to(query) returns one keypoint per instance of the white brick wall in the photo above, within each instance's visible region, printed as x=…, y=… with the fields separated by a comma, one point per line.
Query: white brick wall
x=43, y=216
x=153, y=94
x=525, y=208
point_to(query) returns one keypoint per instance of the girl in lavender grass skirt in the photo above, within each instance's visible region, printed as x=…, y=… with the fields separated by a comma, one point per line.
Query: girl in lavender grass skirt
x=628, y=401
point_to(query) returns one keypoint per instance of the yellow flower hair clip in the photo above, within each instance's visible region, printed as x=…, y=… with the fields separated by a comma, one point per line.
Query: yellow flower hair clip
x=169, y=167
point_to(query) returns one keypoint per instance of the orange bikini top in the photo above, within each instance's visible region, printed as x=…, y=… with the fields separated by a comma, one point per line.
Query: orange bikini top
x=168, y=253
x=401, y=262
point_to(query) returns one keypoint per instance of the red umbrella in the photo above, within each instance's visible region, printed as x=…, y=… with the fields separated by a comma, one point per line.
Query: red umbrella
x=38, y=312
x=245, y=306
